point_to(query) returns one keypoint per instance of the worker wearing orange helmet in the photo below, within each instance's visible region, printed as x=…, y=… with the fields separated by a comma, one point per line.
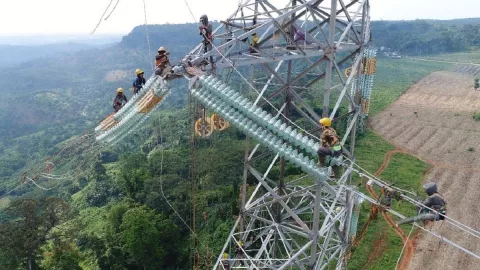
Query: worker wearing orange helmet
x=330, y=145
x=120, y=100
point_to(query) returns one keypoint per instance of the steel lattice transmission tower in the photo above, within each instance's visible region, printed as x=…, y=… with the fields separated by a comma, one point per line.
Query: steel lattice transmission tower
x=302, y=51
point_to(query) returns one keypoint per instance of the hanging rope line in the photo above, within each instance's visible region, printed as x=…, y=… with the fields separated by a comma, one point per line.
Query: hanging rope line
x=114, y=7
x=148, y=36
x=403, y=248
x=100, y=20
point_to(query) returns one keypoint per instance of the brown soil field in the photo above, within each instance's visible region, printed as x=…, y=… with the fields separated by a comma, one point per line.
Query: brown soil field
x=433, y=121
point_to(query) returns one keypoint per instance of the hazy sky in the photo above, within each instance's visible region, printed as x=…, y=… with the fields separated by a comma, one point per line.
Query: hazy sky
x=20, y=17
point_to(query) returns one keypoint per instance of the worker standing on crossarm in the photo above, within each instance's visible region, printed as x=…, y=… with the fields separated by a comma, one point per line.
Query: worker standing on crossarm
x=206, y=31
x=330, y=145
x=119, y=100
x=139, y=81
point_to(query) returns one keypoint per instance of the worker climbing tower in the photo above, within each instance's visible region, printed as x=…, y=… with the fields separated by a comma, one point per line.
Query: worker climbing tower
x=300, y=61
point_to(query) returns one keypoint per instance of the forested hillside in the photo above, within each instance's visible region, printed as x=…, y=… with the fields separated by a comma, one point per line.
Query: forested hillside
x=114, y=214
x=427, y=36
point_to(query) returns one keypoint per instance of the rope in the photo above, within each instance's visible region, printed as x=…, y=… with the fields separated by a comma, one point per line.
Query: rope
x=163, y=194
x=114, y=7
x=189, y=9
x=404, y=245
x=46, y=189
x=100, y=20
x=148, y=36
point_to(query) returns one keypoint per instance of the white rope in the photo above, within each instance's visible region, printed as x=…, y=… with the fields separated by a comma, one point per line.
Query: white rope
x=163, y=194
x=148, y=36
x=35, y=183
x=404, y=245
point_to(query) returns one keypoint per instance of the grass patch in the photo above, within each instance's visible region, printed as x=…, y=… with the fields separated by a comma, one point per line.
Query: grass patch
x=405, y=172
x=4, y=202
x=471, y=56
x=476, y=116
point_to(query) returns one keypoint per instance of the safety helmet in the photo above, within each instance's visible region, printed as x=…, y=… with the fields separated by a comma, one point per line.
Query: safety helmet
x=139, y=71
x=204, y=19
x=120, y=90
x=161, y=49
x=430, y=188
x=326, y=121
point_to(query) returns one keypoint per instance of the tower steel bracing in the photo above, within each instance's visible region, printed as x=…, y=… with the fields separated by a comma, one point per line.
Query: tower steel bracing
x=303, y=48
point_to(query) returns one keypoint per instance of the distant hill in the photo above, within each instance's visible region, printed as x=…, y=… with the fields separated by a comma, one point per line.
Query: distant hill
x=16, y=54
x=36, y=40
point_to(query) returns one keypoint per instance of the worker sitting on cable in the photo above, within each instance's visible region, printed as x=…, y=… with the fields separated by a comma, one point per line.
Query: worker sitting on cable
x=330, y=146
x=161, y=61
x=254, y=44
x=139, y=81
x=434, y=202
x=119, y=100
x=207, y=33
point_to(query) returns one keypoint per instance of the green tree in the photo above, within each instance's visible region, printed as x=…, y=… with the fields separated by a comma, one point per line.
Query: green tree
x=60, y=254
x=30, y=223
x=476, y=85
x=148, y=237
x=133, y=173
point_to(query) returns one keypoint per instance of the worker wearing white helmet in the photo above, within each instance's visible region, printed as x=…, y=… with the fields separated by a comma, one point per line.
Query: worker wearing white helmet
x=161, y=61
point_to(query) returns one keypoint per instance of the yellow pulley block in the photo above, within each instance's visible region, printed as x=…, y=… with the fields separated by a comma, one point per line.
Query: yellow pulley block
x=205, y=129
x=219, y=123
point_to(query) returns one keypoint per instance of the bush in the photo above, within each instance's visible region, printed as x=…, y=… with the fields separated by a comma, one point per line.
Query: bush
x=476, y=116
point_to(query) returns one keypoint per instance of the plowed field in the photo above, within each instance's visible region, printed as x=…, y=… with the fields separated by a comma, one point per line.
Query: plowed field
x=433, y=120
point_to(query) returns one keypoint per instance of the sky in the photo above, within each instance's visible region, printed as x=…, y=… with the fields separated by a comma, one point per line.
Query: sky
x=46, y=17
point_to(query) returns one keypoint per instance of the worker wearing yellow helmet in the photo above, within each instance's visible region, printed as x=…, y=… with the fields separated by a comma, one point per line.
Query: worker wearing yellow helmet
x=139, y=81
x=120, y=100
x=330, y=145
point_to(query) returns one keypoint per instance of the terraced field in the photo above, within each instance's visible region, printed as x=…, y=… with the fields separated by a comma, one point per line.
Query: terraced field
x=433, y=120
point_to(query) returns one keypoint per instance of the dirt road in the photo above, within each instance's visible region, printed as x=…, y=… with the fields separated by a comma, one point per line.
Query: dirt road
x=433, y=120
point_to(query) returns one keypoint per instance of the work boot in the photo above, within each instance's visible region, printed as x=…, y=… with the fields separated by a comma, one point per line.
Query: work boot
x=321, y=161
x=337, y=172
